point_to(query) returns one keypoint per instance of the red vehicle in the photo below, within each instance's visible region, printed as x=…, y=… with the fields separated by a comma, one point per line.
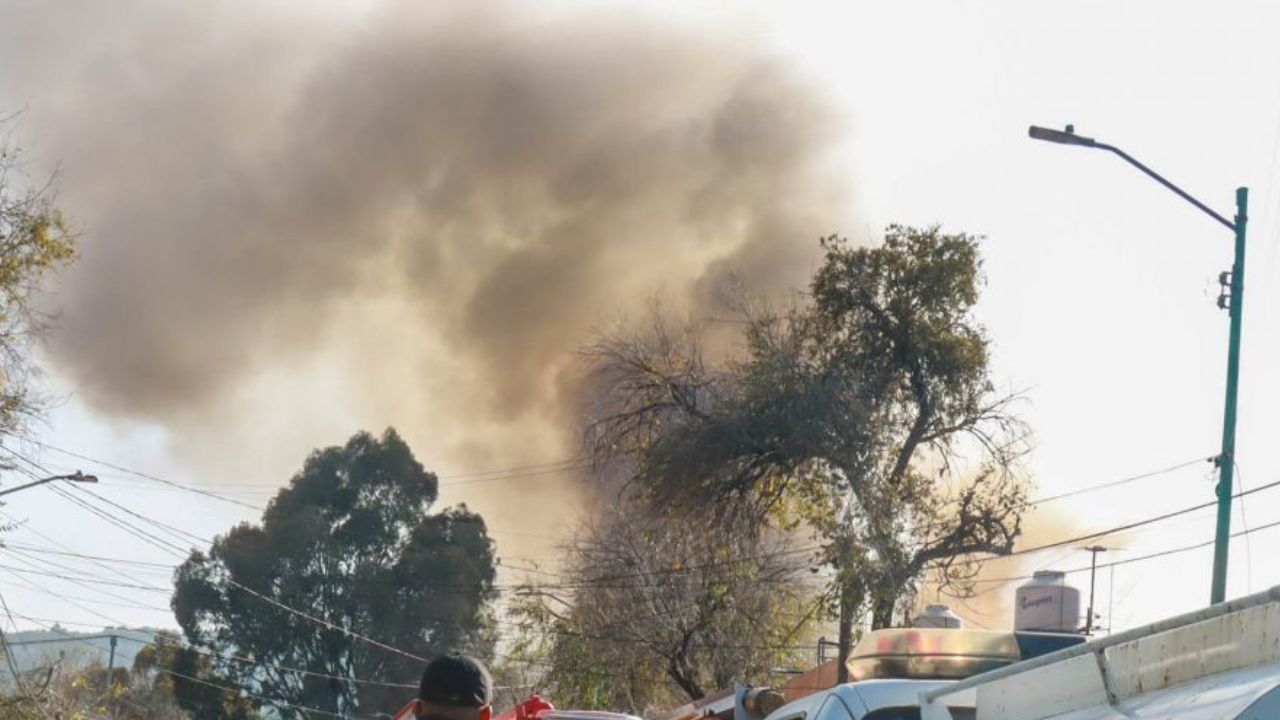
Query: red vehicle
x=537, y=708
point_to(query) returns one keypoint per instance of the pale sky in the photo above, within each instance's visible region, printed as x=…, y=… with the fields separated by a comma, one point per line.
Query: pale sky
x=1101, y=284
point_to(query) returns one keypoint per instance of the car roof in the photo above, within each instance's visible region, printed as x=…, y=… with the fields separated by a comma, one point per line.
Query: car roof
x=876, y=694
x=865, y=695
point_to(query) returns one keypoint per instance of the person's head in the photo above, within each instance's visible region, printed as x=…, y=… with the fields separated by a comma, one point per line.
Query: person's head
x=454, y=687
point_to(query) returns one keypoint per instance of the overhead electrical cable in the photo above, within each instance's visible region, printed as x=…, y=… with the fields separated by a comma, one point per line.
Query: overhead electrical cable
x=180, y=552
x=208, y=653
x=1140, y=558
x=601, y=581
x=238, y=691
x=1118, y=528
x=1121, y=481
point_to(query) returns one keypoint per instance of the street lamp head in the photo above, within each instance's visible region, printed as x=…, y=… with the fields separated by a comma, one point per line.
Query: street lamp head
x=81, y=477
x=1063, y=137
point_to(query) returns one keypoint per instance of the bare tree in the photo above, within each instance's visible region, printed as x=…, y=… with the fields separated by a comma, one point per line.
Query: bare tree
x=654, y=610
x=34, y=241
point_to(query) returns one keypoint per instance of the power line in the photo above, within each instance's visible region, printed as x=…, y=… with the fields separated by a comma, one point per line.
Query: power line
x=9, y=660
x=199, y=651
x=595, y=583
x=1060, y=543
x=574, y=462
x=285, y=668
x=239, y=691
x=182, y=535
x=169, y=547
x=1139, y=558
x=20, y=582
x=56, y=542
x=1023, y=551
x=514, y=476
x=262, y=698
x=601, y=582
x=1119, y=528
x=207, y=653
x=465, y=478
x=81, y=556
x=161, y=543
x=143, y=535
x=1117, y=483
x=89, y=610
x=1244, y=522
x=640, y=641
x=329, y=625
x=44, y=573
x=54, y=641
x=154, y=478
x=19, y=556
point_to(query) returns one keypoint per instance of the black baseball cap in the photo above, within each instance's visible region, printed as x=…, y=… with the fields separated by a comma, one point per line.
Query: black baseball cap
x=456, y=681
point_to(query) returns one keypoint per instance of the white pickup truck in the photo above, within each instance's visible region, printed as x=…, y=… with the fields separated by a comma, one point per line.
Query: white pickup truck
x=1219, y=663
x=891, y=668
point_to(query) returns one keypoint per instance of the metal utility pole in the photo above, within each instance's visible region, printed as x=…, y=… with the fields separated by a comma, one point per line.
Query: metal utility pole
x=823, y=644
x=111, y=660
x=76, y=476
x=1231, y=300
x=1093, y=573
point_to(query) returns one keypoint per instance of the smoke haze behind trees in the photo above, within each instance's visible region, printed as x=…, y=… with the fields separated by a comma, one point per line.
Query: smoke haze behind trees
x=296, y=224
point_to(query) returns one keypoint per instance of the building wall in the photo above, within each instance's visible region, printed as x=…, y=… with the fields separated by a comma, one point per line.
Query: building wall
x=807, y=683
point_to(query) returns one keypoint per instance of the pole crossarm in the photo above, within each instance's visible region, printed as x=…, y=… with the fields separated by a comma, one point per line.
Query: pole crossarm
x=1069, y=137
x=1160, y=179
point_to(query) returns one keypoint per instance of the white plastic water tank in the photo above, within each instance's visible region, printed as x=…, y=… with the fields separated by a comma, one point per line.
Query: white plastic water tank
x=937, y=616
x=1046, y=603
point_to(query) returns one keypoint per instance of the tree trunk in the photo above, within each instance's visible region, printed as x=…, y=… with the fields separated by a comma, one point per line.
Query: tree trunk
x=679, y=670
x=845, y=639
x=882, y=613
x=851, y=594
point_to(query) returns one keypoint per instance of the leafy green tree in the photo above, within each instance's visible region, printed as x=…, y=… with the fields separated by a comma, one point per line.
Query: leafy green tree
x=62, y=689
x=866, y=414
x=172, y=669
x=351, y=542
x=656, y=612
x=34, y=242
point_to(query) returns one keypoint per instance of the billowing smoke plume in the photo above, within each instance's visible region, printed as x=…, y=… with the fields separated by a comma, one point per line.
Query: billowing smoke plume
x=295, y=226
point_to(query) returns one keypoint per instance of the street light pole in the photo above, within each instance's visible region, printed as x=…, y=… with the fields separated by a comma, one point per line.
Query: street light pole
x=1231, y=300
x=76, y=476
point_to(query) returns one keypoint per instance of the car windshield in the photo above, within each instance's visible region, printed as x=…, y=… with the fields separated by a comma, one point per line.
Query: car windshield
x=913, y=713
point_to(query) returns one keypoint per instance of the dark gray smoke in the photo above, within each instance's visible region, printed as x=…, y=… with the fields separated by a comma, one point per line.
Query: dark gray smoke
x=295, y=225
